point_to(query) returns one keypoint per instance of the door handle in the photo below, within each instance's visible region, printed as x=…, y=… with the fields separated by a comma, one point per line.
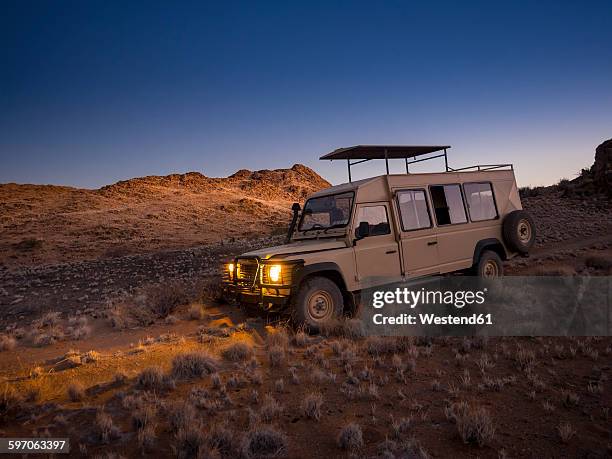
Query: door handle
x=432, y=242
x=389, y=252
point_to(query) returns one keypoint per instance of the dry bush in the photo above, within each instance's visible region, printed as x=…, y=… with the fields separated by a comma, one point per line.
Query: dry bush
x=163, y=299
x=196, y=312
x=300, y=339
x=350, y=437
x=270, y=409
x=153, y=378
x=279, y=385
x=401, y=426
x=570, y=398
x=76, y=392
x=193, y=365
x=190, y=442
x=474, y=424
x=7, y=343
x=9, y=399
x=344, y=327
x=264, y=441
x=146, y=437
x=239, y=351
x=279, y=337
x=104, y=427
x=181, y=415
x=144, y=415
x=566, y=432
x=276, y=354
x=311, y=405
x=222, y=439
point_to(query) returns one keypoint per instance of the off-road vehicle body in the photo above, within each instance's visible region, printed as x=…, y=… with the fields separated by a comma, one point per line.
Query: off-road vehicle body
x=383, y=230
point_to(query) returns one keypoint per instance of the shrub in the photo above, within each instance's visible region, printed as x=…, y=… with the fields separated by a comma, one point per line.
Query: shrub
x=270, y=409
x=279, y=337
x=350, y=437
x=474, y=425
x=9, y=399
x=276, y=354
x=181, y=415
x=104, y=426
x=153, y=378
x=311, y=406
x=76, y=392
x=238, y=352
x=193, y=365
x=264, y=441
x=163, y=299
x=190, y=443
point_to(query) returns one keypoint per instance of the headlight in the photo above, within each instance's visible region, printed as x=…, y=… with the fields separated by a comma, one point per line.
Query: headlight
x=230, y=270
x=274, y=273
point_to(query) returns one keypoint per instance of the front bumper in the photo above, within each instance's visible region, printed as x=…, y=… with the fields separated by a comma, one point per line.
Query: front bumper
x=249, y=283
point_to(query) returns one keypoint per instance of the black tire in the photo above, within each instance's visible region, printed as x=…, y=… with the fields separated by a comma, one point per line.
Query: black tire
x=317, y=302
x=519, y=231
x=489, y=265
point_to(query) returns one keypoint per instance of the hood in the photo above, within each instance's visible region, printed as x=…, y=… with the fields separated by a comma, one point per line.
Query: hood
x=311, y=245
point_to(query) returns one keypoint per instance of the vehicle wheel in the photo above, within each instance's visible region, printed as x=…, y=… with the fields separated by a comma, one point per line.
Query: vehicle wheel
x=519, y=231
x=489, y=265
x=317, y=302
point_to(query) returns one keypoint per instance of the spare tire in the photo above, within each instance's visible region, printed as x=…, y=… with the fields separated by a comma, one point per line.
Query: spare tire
x=519, y=231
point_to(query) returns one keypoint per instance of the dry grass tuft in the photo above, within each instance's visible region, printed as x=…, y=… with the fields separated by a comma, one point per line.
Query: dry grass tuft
x=239, y=351
x=566, y=432
x=350, y=437
x=264, y=441
x=311, y=406
x=153, y=378
x=191, y=443
x=76, y=392
x=276, y=354
x=270, y=409
x=193, y=365
x=104, y=427
x=474, y=424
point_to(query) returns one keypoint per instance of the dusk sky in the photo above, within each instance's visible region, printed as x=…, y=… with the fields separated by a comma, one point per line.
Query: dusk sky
x=95, y=92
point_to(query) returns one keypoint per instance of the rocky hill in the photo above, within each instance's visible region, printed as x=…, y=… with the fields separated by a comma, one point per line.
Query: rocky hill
x=50, y=224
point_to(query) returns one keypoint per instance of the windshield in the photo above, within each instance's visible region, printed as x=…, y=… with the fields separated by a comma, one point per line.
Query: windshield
x=332, y=211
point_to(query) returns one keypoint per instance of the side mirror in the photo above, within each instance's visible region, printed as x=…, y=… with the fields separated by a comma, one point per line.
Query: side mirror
x=363, y=230
x=296, y=207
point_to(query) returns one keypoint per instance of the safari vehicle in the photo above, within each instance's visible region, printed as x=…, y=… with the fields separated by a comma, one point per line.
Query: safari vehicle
x=382, y=230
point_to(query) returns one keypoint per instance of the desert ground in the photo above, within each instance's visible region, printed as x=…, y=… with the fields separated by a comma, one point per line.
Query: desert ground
x=113, y=337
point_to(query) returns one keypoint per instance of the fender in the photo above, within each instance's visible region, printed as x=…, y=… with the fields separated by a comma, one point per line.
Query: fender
x=303, y=271
x=493, y=243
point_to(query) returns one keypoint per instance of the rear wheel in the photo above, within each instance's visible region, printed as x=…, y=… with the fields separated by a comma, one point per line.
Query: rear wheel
x=489, y=265
x=317, y=302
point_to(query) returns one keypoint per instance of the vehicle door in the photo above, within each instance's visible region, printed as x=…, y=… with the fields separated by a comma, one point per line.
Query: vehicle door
x=418, y=238
x=376, y=255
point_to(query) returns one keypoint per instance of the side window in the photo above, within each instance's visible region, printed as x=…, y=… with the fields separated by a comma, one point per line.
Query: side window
x=480, y=201
x=448, y=204
x=413, y=209
x=376, y=216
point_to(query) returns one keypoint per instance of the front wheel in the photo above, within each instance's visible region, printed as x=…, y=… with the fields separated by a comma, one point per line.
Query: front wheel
x=317, y=302
x=489, y=265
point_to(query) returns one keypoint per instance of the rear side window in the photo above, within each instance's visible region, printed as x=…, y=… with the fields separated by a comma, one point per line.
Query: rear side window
x=480, y=201
x=376, y=216
x=413, y=209
x=448, y=204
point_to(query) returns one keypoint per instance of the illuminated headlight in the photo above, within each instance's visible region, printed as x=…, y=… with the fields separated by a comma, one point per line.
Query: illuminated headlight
x=274, y=273
x=230, y=270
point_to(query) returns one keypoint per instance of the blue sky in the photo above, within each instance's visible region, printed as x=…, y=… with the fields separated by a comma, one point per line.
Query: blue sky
x=94, y=92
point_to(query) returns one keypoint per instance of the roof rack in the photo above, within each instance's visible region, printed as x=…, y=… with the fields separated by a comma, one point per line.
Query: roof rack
x=363, y=153
x=483, y=167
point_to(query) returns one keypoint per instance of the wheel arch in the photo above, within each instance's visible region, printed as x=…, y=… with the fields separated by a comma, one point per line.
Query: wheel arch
x=331, y=271
x=493, y=244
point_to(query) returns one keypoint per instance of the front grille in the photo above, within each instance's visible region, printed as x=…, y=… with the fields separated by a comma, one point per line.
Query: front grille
x=247, y=272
